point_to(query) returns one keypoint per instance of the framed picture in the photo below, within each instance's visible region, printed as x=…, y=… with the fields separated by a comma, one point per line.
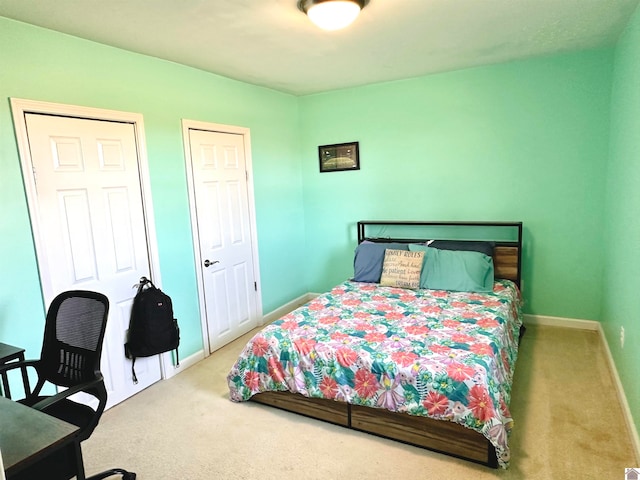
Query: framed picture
x=339, y=157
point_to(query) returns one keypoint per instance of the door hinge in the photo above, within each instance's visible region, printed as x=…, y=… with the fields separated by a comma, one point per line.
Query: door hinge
x=35, y=177
x=255, y=286
x=246, y=175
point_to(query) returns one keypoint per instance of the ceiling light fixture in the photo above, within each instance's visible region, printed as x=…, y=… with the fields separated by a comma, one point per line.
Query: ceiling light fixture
x=332, y=14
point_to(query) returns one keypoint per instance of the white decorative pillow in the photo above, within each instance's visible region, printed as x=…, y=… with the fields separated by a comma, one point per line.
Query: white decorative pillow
x=401, y=268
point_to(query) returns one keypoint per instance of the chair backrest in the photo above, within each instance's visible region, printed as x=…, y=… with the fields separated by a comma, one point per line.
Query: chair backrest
x=74, y=331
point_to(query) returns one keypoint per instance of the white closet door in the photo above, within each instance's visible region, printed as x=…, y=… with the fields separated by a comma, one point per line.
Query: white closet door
x=224, y=231
x=92, y=227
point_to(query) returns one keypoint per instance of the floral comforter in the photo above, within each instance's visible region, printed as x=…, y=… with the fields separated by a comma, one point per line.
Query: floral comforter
x=445, y=355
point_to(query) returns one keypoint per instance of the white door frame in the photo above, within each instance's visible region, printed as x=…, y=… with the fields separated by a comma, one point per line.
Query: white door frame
x=19, y=108
x=246, y=136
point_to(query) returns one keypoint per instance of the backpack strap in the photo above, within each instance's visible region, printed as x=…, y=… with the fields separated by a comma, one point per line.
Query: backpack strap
x=133, y=370
x=133, y=365
x=143, y=282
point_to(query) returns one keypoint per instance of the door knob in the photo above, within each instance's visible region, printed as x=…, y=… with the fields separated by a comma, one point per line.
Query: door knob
x=207, y=263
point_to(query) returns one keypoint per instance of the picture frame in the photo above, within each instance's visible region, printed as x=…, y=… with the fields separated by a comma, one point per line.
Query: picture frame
x=339, y=157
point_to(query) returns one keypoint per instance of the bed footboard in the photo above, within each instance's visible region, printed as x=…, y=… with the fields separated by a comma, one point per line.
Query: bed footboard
x=326, y=410
x=440, y=436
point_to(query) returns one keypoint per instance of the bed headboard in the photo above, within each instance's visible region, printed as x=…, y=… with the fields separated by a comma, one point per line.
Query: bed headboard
x=507, y=253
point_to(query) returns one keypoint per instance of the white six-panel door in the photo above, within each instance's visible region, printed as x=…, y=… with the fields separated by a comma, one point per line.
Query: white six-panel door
x=226, y=263
x=91, y=225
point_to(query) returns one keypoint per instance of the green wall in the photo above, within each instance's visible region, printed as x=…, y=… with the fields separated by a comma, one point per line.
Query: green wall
x=524, y=141
x=40, y=64
x=621, y=301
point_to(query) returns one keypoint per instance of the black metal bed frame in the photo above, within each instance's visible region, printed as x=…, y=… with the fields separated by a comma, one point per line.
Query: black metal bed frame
x=363, y=224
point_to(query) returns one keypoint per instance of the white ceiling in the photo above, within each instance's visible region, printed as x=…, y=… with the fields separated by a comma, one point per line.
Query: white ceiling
x=271, y=43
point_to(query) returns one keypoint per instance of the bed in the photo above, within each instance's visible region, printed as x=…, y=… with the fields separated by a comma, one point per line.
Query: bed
x=429, y=367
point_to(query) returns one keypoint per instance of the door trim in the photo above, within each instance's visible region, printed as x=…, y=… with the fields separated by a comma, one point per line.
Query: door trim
x=246, y=136
x=21, y=107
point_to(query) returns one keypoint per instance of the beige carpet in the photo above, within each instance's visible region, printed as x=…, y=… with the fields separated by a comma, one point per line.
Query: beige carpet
x=568, y=424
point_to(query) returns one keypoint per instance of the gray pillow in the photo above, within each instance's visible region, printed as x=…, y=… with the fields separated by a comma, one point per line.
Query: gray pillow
x=368, y=260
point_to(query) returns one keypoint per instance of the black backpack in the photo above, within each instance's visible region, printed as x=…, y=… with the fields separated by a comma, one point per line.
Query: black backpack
x=152, y=328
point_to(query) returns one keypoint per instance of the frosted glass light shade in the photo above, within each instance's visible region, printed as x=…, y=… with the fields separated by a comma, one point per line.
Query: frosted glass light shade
x=334, y=14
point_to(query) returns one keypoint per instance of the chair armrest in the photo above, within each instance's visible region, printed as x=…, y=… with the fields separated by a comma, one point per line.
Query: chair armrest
x=84, y=387
x=22, y=364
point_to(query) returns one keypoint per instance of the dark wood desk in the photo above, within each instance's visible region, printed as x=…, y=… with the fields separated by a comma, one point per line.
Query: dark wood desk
x=29, y=438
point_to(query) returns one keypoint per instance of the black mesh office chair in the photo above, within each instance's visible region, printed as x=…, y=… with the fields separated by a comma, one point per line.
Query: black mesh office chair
x=70, y=358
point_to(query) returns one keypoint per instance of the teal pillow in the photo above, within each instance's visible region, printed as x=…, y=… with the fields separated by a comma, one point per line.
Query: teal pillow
x=455, y=270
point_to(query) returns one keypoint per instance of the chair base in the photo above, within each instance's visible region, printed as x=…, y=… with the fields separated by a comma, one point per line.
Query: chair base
x=114, y=471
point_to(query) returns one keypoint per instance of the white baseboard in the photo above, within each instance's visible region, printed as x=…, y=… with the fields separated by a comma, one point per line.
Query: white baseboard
x=171, y=370
x=633, y=432
x=597, y=327
x=560, y=322
x=286, y=308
